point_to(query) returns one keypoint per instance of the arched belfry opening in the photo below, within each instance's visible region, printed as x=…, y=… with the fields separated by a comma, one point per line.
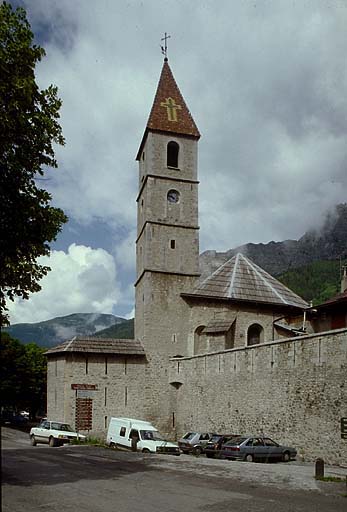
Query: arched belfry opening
x=172, y=154
x=255, y=334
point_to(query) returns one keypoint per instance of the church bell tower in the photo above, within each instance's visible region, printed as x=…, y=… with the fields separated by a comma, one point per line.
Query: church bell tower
x=167, y=245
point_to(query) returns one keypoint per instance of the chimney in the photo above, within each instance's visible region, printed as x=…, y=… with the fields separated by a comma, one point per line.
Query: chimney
x=344, y=279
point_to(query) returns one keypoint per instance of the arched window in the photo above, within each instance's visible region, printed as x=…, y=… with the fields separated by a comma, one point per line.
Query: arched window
x=255, y=334
x=172, y=154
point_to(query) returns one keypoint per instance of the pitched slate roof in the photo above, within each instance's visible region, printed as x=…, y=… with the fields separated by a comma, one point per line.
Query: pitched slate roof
x=218, y=326
x=240, y=279
x=88, y=344
x=169, y=111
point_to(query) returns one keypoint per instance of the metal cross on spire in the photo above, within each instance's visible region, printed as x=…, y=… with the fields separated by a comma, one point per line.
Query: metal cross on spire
x=164, y=48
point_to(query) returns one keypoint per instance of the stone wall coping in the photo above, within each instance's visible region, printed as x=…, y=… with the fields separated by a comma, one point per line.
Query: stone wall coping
x=265, y=344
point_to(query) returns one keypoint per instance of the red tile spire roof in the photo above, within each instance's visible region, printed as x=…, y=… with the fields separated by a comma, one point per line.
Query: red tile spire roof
x=169, y=113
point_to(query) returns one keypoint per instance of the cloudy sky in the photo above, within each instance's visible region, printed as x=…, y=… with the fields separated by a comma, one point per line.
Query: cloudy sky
x=266, y=82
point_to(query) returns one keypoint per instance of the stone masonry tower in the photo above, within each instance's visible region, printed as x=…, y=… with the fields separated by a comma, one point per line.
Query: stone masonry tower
x=167, y=245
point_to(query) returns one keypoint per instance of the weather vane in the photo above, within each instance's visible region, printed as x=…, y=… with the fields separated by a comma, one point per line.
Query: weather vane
x=164, y=48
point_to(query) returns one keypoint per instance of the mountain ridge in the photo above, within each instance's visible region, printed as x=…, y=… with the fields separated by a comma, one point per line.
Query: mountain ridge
x=56, y=330
x=280, y=259
x=327, y=243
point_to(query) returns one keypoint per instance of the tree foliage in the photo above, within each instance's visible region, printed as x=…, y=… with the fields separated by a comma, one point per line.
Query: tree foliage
x=28, y=130
x=318, y=281
x=23, y=376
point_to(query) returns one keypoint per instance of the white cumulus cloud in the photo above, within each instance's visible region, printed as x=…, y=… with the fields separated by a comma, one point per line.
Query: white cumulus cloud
x=81, y=280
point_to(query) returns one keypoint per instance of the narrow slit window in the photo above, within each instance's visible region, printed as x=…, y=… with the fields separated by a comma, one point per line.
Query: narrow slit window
x=172, y=244
x=172, y=154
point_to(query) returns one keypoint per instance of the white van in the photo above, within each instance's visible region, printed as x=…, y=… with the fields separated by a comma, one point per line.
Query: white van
x=123, y=431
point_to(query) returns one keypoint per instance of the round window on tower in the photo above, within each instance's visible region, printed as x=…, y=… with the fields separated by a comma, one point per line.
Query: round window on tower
x=173, y=196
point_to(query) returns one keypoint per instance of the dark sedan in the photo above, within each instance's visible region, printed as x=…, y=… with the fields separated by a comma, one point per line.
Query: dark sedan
x=213, y=447
x=256, y=448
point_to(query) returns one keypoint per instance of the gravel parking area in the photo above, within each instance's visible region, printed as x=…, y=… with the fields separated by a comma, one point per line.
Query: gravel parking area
x=294, y=475
x=291, y=475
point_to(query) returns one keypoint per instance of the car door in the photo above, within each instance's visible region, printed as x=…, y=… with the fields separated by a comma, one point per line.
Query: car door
x=42, y=432
x=248, y=448
x=260, y=450
x=274, y=450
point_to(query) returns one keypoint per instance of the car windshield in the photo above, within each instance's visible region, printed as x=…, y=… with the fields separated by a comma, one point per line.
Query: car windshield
x=61, y=426
x=189, y=435
x=236, y=441
x=151, y=435
x=215, y=438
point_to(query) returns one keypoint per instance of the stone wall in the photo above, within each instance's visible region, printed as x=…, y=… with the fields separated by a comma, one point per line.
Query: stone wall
x=119, y=385
x=293, y=390
x=205, y=310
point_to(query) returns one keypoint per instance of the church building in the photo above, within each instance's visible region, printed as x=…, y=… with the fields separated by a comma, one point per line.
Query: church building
x=226, y=353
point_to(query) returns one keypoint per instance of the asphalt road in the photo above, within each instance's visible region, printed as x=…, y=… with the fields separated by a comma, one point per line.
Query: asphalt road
x=92, y=479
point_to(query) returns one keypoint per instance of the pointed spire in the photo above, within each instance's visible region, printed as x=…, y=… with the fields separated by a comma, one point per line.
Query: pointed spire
x=169, y=113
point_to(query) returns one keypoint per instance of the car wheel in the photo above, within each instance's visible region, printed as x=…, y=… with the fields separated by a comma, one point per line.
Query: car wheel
x=249, y=457
x=197, y=450
x=112, y=445
x=146, y=450
x=286, y=457
x=52, y=442
x=33, y=441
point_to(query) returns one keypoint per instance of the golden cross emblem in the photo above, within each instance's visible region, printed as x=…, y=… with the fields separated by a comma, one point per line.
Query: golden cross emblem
x=171, y=108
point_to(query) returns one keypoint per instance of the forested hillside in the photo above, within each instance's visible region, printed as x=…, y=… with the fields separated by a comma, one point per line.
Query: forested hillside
x=318, y=281
x=124, y=330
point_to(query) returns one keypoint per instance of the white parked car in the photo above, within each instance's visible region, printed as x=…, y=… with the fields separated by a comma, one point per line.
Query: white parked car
x=54, y=433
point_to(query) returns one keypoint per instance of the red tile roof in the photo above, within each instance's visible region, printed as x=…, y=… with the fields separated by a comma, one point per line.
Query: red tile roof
x=169, y=111
x=337, y=299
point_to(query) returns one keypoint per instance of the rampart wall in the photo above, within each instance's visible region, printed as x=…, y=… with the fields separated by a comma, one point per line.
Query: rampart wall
x=293, y=390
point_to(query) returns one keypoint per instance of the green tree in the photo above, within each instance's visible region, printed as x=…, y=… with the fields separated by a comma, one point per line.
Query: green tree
x=28, y=130
x=23, y=375
x=34, y=393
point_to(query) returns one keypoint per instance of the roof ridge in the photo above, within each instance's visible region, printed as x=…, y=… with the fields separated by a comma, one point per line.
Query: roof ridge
x=69, y=344
x=251, y=264
x=237, y=258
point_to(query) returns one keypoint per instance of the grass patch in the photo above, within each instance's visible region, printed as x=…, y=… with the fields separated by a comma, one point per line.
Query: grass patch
x=90, y=441
x=337, y=479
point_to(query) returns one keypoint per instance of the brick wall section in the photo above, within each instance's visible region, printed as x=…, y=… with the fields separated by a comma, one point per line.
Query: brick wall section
x=293, y=390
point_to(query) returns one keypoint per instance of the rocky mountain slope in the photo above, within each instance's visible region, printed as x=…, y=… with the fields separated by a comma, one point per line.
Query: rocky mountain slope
x=329, y=243
x=55, y=331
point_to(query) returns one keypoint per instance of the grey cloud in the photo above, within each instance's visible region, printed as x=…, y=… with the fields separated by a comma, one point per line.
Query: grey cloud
x=265, y=81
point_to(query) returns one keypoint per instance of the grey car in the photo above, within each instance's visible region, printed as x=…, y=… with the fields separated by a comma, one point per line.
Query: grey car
x=260, y=448
x=194, y=442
